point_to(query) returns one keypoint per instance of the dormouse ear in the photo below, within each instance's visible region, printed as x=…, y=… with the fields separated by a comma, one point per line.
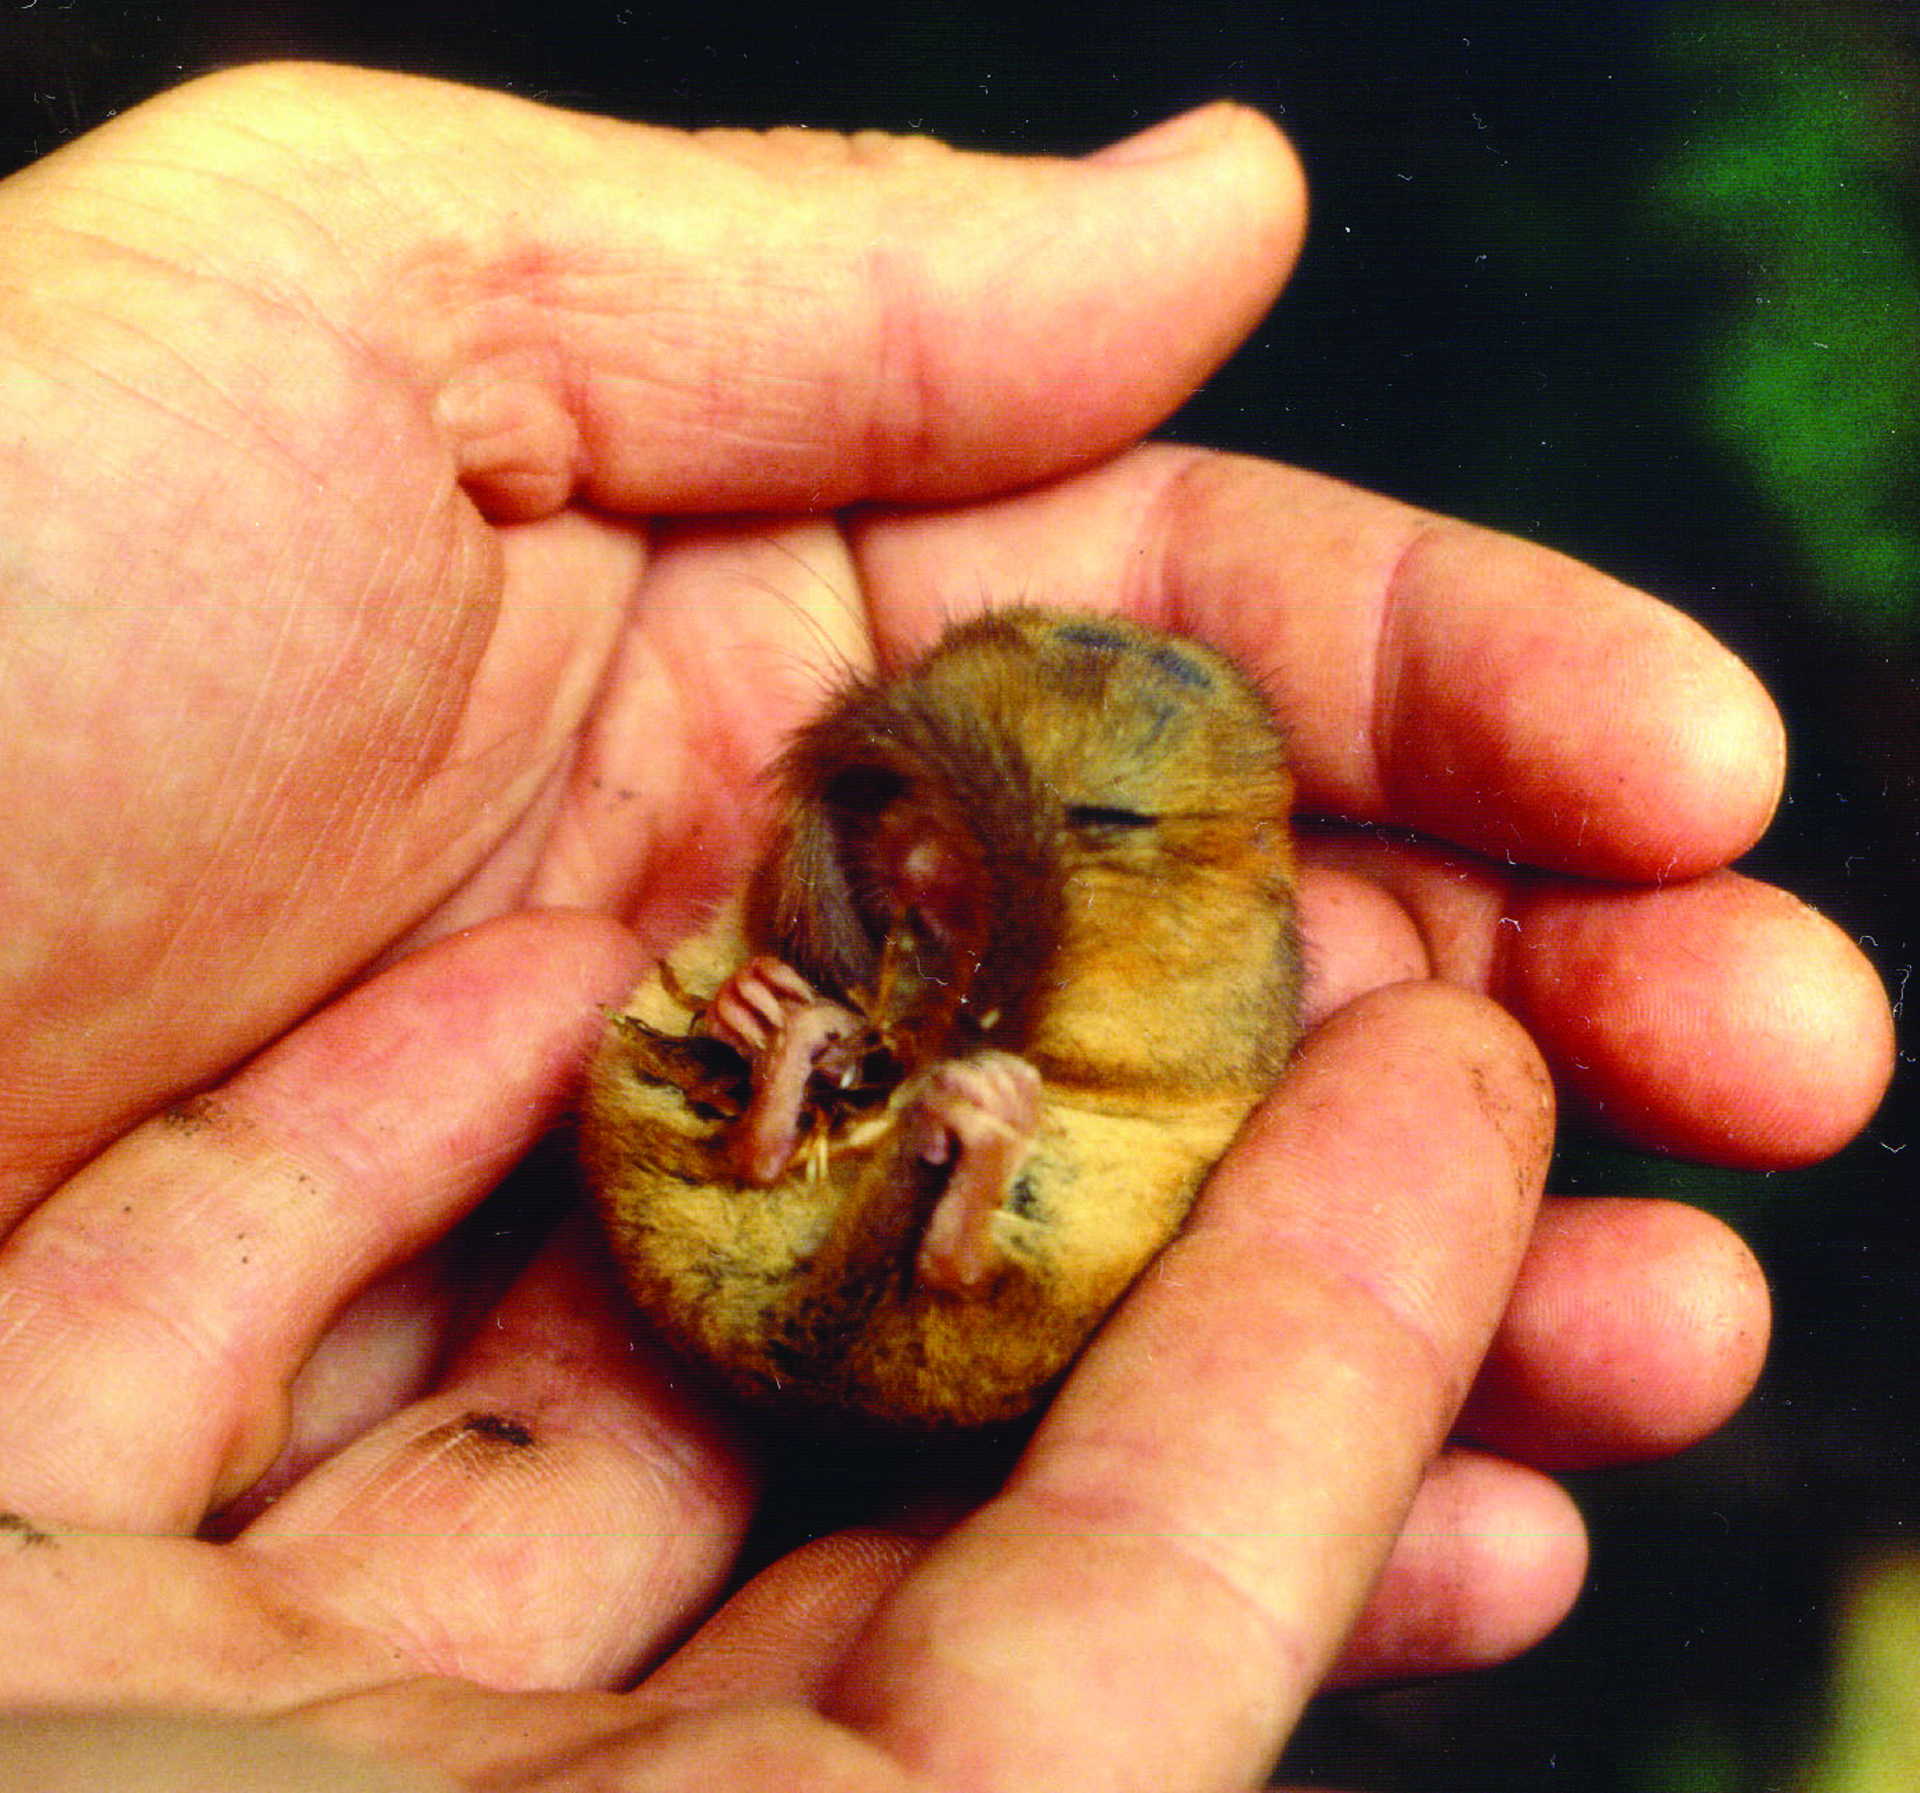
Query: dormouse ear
x=799, y=904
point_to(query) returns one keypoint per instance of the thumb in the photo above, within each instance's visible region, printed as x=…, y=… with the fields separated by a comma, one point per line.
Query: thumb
x=660, y=321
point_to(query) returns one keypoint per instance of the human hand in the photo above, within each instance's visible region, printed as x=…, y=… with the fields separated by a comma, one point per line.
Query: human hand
x=364, y=669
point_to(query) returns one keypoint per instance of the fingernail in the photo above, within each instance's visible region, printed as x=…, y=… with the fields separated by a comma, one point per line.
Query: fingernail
x=1178, y=136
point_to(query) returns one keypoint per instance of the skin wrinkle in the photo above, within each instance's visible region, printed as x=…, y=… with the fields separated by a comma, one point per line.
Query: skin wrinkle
x=253, y=783
x=307, y=267
x=681, y=350
x=897, y=398
x=74, y=311
x=1280, y=1243
x=262, y=1630
x=96, y=378
x=1113, y=1516
x=468, y=758
x=691, y=433
x=1389, y=662
x=527, y=869
x=285, y=631
x=295, y=299
x=457, y=1484
x=1294, y=1658
x=406, y=1632
x=1152, y=575
x=709, y=420
x=433, y=712
x=398, y=1634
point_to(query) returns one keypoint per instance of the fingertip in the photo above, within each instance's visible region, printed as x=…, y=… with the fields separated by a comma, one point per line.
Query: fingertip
x=517, y=449
x=1733, y=758
x=1188, y=231
x=523, y=987
x=1836, y=1008
x=1548, y=678
x=1252, y=150
x=782, y=1636
x=1720, y=1018
x=1491, y=1559
x=1636, y=1328
x=1198, y=129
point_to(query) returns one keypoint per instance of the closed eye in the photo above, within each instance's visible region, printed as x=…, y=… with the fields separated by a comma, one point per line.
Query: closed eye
x=1101, y=815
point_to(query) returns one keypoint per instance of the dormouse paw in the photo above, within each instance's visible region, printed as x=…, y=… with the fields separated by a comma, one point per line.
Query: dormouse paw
x=768, y=1013
x=980, y=1115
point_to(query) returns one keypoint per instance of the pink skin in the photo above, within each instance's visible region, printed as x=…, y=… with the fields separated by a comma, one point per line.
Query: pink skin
x=978, y=1114
x=770, y=1015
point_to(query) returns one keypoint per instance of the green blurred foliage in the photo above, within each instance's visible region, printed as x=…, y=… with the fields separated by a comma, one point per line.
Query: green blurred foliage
x=1801, y=182
x=1872, y=1739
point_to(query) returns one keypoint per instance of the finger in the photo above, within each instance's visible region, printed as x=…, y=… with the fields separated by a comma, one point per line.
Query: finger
x=783, y=1635
x=1491, y=1558
x=668, y=793
x=1429, y=674
x=1177, y=1559
x=724, y=321
x=1774, y=1039
x=1636, y=1328
x=99, y=1621
x=1718, y=1018
x=547, y=1518
x=1354, y=937
x=157, y=1306
x=586, y=1743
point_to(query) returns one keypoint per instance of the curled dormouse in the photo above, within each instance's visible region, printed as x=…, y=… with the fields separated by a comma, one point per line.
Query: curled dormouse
x=888, y=1139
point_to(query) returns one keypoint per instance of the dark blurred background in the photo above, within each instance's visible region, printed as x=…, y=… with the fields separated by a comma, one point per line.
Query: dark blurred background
x=1642, y=281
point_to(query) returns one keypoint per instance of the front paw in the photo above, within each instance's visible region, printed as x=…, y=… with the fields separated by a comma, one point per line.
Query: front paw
x=980, y=1115
x=768, y=1013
